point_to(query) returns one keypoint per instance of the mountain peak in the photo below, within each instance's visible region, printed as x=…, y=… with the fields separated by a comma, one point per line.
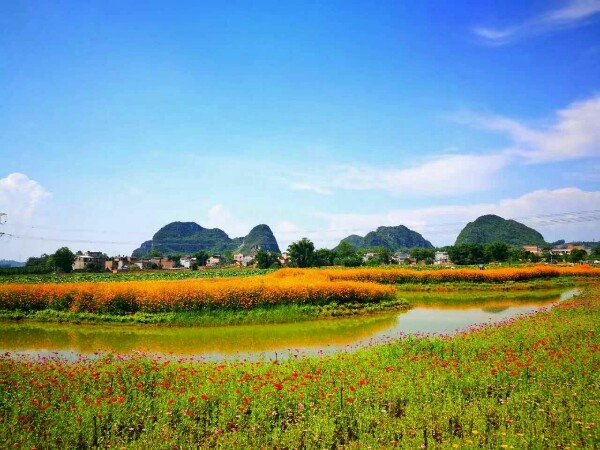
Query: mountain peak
x=490, y=228
x=189, y=237
x=391, y=237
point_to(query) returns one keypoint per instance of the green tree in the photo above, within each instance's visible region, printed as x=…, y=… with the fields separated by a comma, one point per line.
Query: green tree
x=201, y=257
x=382, y=255
x=595, y=252
x=227, y=258
x=578, y=255
x=176, y=260
x=63, y=259
x=423, y=254
x=324, y=257
x=516, y=254
x=463, y=254
x=265, y=259
x=346, y=255
x=155, y=253
x=38, y=263
x=302, y=253
x=498, y=251
x=344, y=250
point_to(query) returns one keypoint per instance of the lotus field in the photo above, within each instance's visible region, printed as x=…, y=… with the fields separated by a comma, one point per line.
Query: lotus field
x=532, y=383
x=288, y=286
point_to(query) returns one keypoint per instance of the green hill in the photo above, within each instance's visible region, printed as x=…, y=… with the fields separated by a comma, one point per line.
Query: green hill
x=189, y=237
x=490, y=228
x=392, y=238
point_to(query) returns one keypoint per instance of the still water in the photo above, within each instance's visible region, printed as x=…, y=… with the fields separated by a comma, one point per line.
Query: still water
x=431, y=313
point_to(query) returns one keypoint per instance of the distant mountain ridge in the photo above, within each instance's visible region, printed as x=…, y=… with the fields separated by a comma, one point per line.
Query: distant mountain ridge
x=11, y=263
x=490, y=228
x=392, y=238
x=189, y=237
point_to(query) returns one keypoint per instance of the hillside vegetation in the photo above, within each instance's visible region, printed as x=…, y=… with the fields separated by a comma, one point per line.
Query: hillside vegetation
x=189, y=237
x=392, y=238
x=490, y=228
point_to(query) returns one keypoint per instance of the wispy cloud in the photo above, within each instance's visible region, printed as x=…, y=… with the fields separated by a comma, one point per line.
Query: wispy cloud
x=219, y=216
x=572, y=13
x=301, y=186
x=441, y=224
x=574, y=134
x=446, y=175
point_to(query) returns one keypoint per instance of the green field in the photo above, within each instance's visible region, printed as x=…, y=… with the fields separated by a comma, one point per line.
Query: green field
x=133, y=275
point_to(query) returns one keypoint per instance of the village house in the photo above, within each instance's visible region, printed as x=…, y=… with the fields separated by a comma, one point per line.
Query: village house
x=143, y=264
x=400, y=257
x=238, y=258
x=89, y=260
x=368, y=256
x=162, y=263
x=566, y=249
x=441, y=258
x=213, y=261
x=124, y=263
x=186, y=261
x=534, y=249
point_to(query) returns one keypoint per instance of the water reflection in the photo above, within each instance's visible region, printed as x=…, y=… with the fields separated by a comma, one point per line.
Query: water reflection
x=433, y=313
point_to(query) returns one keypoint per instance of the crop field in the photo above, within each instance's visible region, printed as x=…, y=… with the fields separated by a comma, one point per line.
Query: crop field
x=496, y=275
x=533, y=382
x=287, y=286
x=134, y=275
x=188, y=295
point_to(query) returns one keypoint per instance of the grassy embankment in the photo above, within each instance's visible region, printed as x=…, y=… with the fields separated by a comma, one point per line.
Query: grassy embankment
x=528, y=383
x=284, y=296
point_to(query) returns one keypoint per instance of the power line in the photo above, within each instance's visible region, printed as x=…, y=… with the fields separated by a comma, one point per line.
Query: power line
x=538, y=220
x=3, y=217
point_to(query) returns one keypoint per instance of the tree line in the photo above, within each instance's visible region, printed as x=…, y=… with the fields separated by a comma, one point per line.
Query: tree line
x=302, y=253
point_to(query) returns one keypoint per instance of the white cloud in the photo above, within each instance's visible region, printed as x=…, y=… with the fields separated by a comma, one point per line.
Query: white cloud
x=574, y=134
x=441, y=224
x=287, y=232
x=20, y=196
x=447, y=175
x=219, y=216
x=572, y=13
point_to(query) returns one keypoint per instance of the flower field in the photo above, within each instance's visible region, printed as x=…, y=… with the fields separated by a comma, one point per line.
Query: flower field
x=527, y=383
x=188, y=295
x=395, y=276
x=287, y=286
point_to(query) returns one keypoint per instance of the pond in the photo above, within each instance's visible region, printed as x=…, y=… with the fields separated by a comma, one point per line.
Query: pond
x=431, y=313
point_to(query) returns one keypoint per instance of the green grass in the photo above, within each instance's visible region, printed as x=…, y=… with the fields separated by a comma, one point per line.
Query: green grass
x=210, y=317
x=507, y=286
x=134, y=275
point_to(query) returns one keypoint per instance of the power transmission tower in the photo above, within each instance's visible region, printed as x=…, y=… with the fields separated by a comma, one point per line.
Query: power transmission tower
x=2, y=221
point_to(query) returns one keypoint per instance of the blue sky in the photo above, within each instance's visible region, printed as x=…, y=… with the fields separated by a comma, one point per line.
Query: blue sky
x=320, y=119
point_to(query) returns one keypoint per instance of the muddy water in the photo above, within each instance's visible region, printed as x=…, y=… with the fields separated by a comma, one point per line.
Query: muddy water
x=431, y=313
